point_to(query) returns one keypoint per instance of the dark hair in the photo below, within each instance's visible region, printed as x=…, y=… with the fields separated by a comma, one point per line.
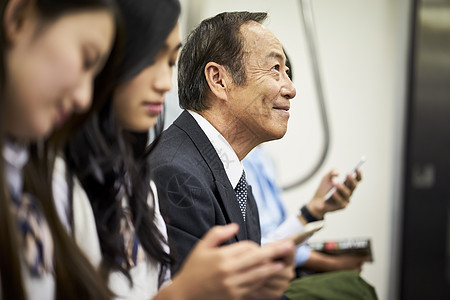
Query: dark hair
x=75, y=278
x=288, y=64
x=217, y=39
x=11, y=285
x=111, y=163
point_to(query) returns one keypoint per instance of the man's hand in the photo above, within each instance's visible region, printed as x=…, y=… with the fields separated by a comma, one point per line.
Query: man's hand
x=318, y=207
x=349, y=262
x=274, y=286
x=319, y=262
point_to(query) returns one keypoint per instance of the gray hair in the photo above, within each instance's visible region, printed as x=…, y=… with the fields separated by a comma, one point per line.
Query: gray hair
x=216, y=39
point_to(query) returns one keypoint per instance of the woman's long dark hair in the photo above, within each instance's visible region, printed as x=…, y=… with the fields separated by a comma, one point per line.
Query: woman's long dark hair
x=11, y=284
x=75, y=277
x=111, y=163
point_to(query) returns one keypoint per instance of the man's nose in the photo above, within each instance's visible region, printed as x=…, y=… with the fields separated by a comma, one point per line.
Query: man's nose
x=288, y=90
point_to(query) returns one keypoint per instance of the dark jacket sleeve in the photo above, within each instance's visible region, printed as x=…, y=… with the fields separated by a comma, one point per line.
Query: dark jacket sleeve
x=188, y=206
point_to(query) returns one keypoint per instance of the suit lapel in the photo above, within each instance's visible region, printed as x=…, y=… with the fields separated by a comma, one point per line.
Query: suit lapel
x=227, y=201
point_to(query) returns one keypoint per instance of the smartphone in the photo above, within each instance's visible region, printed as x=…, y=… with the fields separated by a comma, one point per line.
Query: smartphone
x=308, y=231
x=353, y=172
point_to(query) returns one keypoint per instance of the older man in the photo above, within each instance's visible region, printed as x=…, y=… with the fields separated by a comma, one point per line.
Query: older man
x=234, y=86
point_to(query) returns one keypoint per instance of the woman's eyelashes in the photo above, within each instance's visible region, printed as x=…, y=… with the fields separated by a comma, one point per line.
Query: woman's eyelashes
x=88, y=63
x=90, y=59
x=173, y=60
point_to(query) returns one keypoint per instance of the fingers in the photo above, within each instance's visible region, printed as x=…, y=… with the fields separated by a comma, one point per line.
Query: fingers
x=245, y=266
x=254, y=277
x=331, y=174
x=351, y=182
x=283, y=251
x=218, y=235
x=273, y=288
x=328, y=179
x=237, y=251
x=345, y=190
x=342, y=196
x=326, y=184
x=279, y=282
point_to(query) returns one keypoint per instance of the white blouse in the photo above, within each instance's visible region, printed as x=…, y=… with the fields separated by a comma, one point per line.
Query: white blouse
x=144, y=275
x=35, y=287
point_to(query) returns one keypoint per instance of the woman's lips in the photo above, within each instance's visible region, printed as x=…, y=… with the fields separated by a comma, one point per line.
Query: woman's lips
x=154, y=108
x=62, y=116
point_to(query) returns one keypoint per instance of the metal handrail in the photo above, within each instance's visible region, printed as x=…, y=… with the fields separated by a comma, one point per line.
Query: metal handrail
x=309, y=25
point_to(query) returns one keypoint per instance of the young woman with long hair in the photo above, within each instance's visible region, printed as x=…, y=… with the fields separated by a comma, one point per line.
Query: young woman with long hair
x=51, y=51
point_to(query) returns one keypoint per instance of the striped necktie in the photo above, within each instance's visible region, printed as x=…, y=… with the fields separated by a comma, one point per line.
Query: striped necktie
x=132, y=246
x=35, y=236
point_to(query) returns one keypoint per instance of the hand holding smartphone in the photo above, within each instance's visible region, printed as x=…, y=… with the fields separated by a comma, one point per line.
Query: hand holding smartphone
x=353, y=172
x=308, y=231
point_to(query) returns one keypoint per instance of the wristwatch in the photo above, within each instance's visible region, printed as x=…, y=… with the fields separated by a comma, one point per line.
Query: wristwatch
x=306, y=214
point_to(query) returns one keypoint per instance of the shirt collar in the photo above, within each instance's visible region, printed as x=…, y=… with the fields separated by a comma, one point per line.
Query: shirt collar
x=231, y=163
x=15, y=156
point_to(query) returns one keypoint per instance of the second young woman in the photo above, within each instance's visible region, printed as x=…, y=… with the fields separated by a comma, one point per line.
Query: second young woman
x=110, y=191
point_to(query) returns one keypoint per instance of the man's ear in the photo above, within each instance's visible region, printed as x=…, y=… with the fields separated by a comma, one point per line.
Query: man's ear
x=217, y=78
x=16, y=13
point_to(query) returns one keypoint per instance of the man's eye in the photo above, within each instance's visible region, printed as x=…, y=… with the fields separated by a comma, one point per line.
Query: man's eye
x=276, y=67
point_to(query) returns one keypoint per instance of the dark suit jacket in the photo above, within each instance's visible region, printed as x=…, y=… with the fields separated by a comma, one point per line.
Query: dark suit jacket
x=194, y=191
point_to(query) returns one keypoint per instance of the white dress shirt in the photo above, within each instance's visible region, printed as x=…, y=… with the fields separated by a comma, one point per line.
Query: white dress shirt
x=233, y=167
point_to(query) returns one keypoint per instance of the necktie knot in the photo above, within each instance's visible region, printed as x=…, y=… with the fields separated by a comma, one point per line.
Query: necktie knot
x=241, y=191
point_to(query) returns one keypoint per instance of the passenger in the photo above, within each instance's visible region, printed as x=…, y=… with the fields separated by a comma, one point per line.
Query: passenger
x=51, y=51
x=234, y=86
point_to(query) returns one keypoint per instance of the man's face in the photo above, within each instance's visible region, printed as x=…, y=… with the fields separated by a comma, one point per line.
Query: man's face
x=262, y=104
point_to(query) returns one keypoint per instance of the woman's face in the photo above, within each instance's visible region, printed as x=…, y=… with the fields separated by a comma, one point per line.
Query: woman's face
x=139, y=102
x=50, y=69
